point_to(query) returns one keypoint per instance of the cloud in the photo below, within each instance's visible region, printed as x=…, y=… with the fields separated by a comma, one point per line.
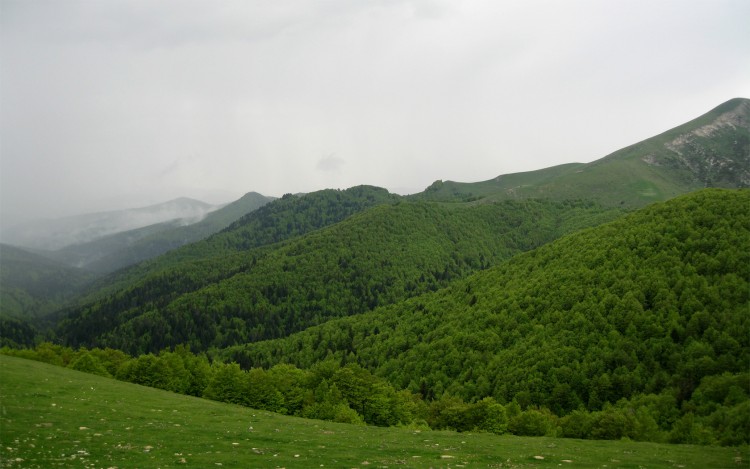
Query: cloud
x=104, y=100
x=330, y=163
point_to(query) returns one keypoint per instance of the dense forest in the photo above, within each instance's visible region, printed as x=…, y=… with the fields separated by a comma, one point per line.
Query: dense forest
x=381, y=256
x=32, y=286
x=648, y=308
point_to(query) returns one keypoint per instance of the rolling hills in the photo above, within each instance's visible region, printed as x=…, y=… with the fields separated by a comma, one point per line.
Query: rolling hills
x=380, y=256
x=562, y=301
x=272, y=272
x=649, y=308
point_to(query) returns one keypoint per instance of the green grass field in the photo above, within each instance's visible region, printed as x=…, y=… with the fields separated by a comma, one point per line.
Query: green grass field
x=55, y=417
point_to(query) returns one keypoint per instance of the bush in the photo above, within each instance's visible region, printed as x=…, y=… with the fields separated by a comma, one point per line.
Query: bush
x=532, y=422
x=88, y=364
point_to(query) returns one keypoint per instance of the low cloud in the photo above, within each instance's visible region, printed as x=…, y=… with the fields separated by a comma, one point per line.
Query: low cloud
x=330, y=163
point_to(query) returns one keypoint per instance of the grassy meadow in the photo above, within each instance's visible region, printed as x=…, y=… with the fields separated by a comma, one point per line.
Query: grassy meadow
x=56, y=417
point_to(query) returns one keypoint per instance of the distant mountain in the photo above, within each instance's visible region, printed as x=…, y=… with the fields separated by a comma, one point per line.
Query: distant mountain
x=710, y=151
x=119, y=250
x=32, y=286
x=58, y=233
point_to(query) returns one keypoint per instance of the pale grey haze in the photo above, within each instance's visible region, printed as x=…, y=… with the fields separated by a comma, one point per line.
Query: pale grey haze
x=113, y=104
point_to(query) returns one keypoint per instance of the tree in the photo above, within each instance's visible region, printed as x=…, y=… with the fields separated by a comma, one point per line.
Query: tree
x=88, y=363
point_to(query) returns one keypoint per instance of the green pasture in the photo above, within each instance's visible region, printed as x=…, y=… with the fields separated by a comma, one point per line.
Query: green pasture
x=56, y=417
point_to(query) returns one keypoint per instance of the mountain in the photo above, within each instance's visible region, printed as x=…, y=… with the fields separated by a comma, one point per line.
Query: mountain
x=57, y=233
x=122, y=249
x=379, y=256
x=220, y=255
x=32, y=286
x=712, y=150
x=651, y=307
x=238, y=285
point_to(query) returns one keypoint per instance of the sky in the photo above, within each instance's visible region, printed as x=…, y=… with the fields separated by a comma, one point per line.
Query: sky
x=115, y=104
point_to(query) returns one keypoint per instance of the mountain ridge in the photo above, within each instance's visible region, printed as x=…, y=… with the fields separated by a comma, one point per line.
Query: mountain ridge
x=655, y=169
x=119, y=250
x=52, y=234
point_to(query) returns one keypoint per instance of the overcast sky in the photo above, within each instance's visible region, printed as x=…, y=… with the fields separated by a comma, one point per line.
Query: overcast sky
x=110, y=104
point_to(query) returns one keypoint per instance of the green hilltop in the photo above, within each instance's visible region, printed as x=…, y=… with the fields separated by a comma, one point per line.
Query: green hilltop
x=712, y=150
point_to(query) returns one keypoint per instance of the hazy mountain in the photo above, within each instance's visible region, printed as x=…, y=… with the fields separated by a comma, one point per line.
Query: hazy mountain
x=710, y=151
x=122, y=249
x=32, y=285
x=57, y=233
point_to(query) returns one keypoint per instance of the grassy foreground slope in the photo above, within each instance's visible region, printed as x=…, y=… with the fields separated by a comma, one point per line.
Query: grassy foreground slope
x=56, y=417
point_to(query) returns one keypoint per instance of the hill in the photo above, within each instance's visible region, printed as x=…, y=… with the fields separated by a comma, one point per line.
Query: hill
x=122, y=249
x=650, y=308
x=32, y=285
x=219, y=256
x=56, y=416
x=712, y=150
x=57, y=233
x=379, y=256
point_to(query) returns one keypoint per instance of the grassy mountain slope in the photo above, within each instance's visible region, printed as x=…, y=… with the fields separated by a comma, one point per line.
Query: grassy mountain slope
x=123, y=249
x=380, y=256
x=654, y=303
x=712, y=150
x=55, y=416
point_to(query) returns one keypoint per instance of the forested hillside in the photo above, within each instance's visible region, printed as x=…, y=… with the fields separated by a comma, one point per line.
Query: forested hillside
x=652, y=308
x=32, y=285
x=380, y=256
x=221, y=255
